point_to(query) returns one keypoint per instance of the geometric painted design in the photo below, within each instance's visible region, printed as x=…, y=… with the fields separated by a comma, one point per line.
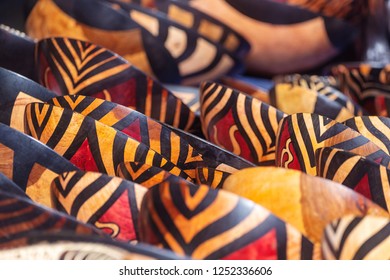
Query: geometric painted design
x=300, y=135
x=15, y=93
x=6, y=185
x=145, y=175
x=29, y=164
x=70, y=67
x=239, y=123
x=364, y=176
x=21, y=217
x=196, y=56
x=139, y=127
x=211, y=177
x=206, y=25
x=90, y=145
x=213, y=224
x=306, y=202
x=357, y=238
x=109, y=203
x=377, y=129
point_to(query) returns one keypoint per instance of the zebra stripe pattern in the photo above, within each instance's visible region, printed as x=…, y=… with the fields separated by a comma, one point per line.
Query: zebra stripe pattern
x=139, y=127
x=377, y=129
x=71, y=67
x=211, y=177
x=300, y=135
x=145, y=175
x=31, y=165
x=109, y=203
x=213, y=224
x=90, y=145
x=364, y=176
x=239, y=123
x=21, y=217
x=357, y=238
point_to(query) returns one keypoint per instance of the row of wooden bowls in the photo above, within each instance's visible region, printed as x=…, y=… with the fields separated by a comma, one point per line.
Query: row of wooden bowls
x=104, y=162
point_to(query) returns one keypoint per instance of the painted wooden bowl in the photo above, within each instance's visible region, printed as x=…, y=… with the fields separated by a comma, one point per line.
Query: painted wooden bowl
x=139, y=127
x=326, y=86
x=306, y=202
x=70, y=246
x=377, y=129
x=70, y=67
x=367, y=84
x=8, y=186
x=300, y=135
x=89, y=144
x=197, y=57
x=206, y=25
x=214, y=224
x=292, y=99
x=31, y=165
x=145, y=175
x=109, y=203
x=188, y=94
x=156, y=135
x=239, y=123
x=22, y=217
x=211, y=177
x=277, y=50
x=103, y=25
x=357, y=238
x=138, y=35
x=364, y=176
x=15, y=93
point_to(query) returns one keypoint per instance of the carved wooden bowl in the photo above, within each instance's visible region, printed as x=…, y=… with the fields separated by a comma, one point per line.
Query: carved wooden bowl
x=138, y=35
x=214, y=224
x=15, y=93
x=211, y=177
x=145, y=175
x=325, y=86
x=306, y=202
x=243, y=86
x=239, y=123
x=109, y=203
x=70, y=67
x=277, y=50
x=21, y=217
x=300, y=135
x=364, y=176
x=357, y=238
x=377, y=129
x=158, y=136
x=89, y=144
x=293, y=99
x=71, y=246
x=368, y=84
x=31, y=165
x=206, y=25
